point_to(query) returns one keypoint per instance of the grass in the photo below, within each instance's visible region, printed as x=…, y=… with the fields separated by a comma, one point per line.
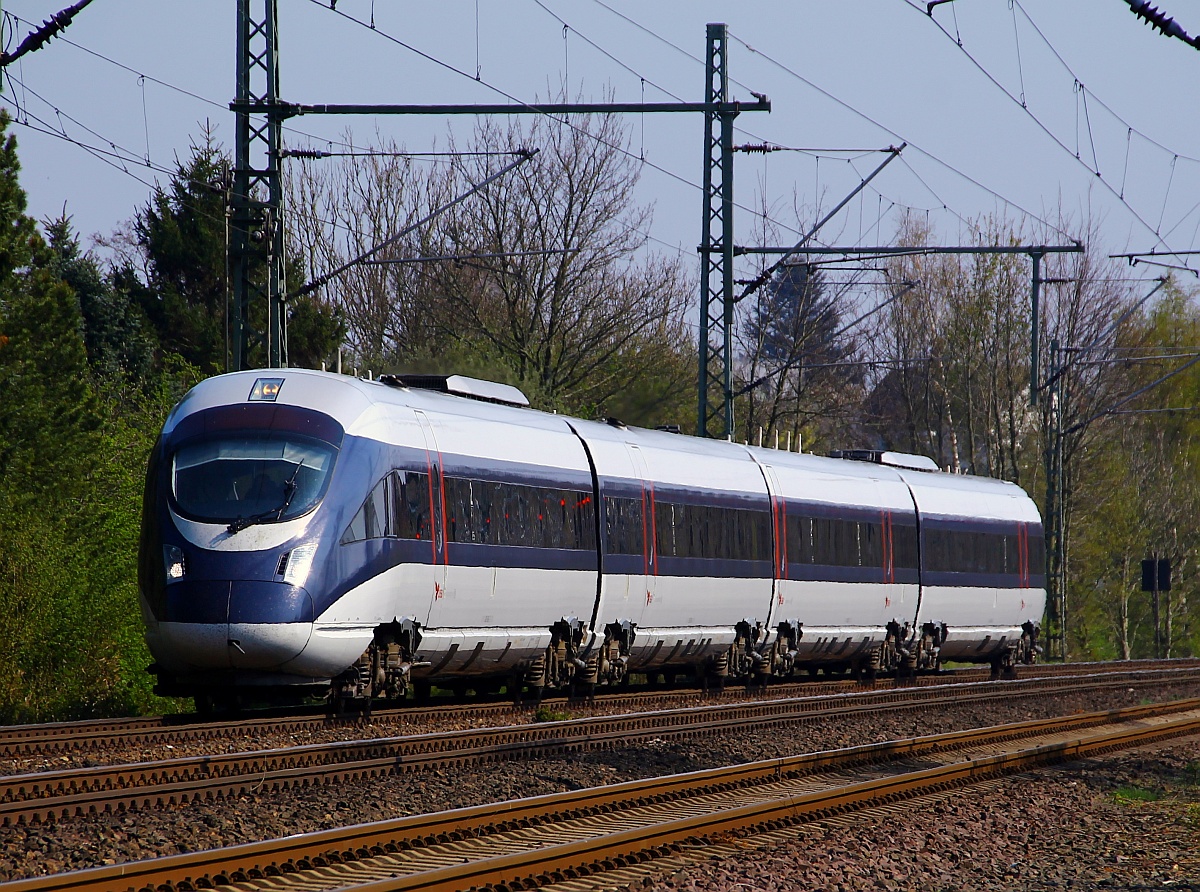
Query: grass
x=549, y=714
x=1192, y=816
x=1130, y=795
x=1191, y=772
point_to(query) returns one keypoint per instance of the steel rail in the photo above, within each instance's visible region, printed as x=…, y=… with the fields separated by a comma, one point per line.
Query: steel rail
x=67, y=793
x=600, y=853
x=603, y=848
x=57, y=737
x=60, y=737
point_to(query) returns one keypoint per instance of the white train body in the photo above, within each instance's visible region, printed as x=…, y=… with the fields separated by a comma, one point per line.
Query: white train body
x=305, y=530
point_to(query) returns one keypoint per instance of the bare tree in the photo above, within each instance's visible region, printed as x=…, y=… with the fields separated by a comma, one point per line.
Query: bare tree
x=543, y=276
x=566, y=286
x=956, y=347
x=339, y=211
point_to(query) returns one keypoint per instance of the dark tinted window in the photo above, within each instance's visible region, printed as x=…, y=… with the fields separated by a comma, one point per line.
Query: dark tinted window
x=904, y=546
x=1037, y=551
x=870, y=544
x=799, y=539
x=398, y=506
x=973, y=551
x=709, y=531
x=841, y=542
x=623, y=528
x=411, y=505
x=494, y=513
x=830, y=541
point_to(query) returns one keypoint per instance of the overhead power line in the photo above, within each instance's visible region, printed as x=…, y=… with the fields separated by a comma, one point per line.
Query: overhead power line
x=531, y=106
x=765, y=275
x=316, y=154
x=895, y=134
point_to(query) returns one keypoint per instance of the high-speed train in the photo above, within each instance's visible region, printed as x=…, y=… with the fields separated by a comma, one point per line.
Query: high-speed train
x=315, y=533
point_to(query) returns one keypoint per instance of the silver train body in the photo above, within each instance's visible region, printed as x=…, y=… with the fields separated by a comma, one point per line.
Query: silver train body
x=311, y=532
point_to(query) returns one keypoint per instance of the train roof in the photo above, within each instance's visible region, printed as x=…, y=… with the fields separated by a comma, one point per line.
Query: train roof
x=360, y=404
x=352, y=401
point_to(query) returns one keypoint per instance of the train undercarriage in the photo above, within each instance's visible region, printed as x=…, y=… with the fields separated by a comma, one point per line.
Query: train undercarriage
x=391, y=669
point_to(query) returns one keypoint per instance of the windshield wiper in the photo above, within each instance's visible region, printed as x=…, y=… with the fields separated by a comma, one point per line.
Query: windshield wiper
x=289, y=491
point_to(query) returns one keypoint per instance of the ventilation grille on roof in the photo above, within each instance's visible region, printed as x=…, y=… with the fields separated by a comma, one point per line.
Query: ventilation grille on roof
x=459, y=385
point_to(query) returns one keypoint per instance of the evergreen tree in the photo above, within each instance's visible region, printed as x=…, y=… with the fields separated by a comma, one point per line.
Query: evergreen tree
x=182, y=235
x=116, y=332
x=796, y=319
x=792, y=360
x=46, y=406
x=72, y=447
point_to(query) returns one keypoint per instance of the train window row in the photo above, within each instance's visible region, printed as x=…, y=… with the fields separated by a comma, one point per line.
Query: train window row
x=397, y=507
x=745, y=534
x=488, y=512
x=707, y=531
x=477, y=511
x=839, y=542
x=967, y=551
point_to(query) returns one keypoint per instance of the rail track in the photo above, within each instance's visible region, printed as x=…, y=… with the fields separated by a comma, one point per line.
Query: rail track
x=621, y=828
x=60, y=794
x=64, y=737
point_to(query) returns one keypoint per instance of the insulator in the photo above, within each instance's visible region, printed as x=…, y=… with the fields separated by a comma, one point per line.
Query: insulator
x=304, y=153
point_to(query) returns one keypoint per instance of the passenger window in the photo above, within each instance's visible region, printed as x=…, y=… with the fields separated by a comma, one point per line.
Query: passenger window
x=623, y=525
x=371, y=521
x=411, y=505
x=904, y=546
x=515, y=514
x=397, y=507
x=1037, y=550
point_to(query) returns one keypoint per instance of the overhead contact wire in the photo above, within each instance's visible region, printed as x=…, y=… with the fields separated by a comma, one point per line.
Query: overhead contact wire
x=1041, y=126
x=512, y=98
x=896, y=135
x=838, y=101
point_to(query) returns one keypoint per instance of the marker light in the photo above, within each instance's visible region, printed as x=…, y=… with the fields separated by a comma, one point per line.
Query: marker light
x=173, y=561
x=299, y=563
x=266, y=389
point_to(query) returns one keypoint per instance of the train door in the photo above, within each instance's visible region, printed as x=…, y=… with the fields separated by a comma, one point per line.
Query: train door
x=641, y=606
x=438, y=546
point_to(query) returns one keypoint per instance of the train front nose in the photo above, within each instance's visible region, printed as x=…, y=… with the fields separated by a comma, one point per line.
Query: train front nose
x=234, y=624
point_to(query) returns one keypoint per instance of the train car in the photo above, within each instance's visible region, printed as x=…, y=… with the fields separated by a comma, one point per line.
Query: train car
x=312, y=533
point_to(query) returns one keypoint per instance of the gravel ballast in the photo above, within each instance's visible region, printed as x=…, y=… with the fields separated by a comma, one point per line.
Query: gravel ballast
x=1129, y=821
x=981, y=834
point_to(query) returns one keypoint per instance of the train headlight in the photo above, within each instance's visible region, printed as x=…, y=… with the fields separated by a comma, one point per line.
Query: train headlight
x=299, y=563
x=265, y=389
x=173, y=562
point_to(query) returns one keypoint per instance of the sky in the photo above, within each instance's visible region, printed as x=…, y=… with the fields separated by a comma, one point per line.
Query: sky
x=1031, y=111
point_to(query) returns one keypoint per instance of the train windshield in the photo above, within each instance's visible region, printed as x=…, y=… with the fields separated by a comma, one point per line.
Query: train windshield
x=251, y=479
